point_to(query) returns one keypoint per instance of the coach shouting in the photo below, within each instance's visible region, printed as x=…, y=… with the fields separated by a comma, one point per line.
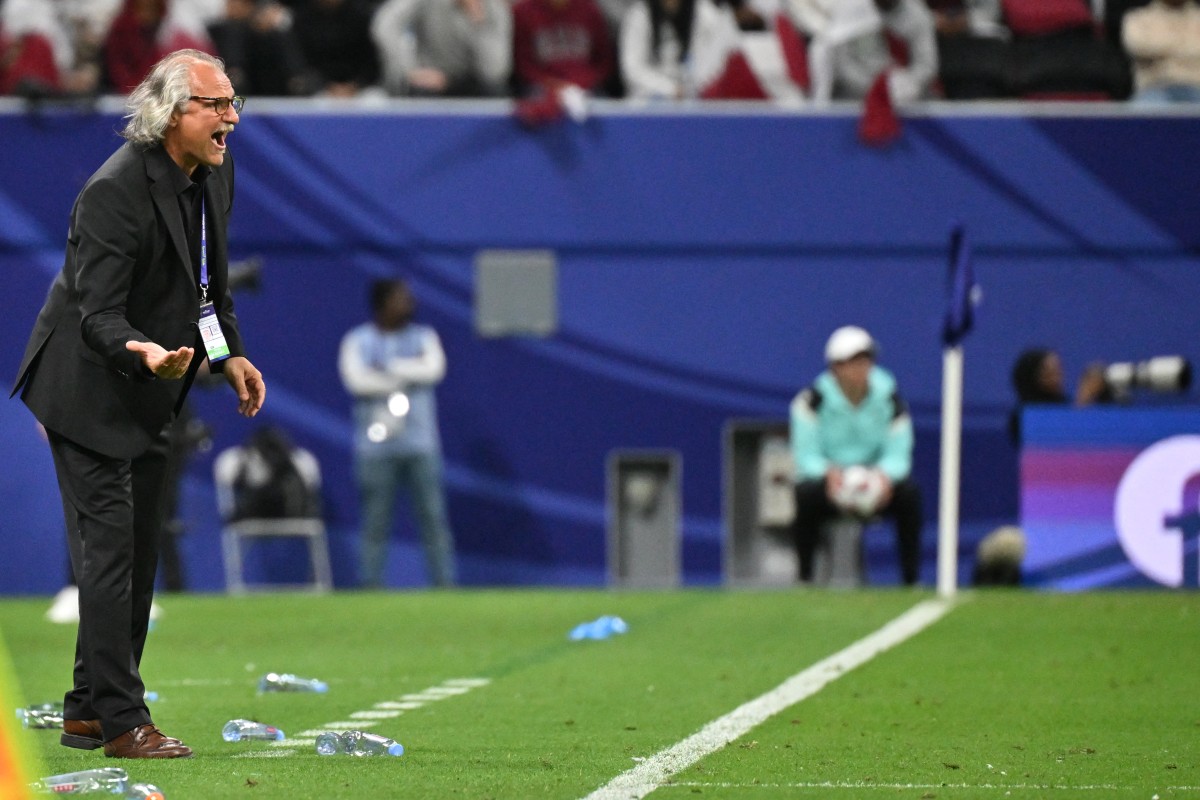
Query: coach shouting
x=141, y=300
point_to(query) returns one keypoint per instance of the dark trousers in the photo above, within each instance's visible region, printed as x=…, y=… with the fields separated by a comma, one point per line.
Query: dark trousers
x=113, y=509
x=813, y=510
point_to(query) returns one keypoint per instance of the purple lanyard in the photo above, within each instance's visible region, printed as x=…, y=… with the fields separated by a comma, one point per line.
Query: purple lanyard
x=203, y=250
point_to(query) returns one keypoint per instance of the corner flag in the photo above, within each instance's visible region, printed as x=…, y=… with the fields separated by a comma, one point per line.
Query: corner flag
x=962, y=296
x=963, y=293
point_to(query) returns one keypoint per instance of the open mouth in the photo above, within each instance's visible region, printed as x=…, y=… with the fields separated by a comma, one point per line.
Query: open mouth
x=219, y=139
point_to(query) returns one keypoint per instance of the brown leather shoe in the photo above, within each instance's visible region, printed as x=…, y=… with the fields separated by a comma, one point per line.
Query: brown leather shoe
x=82, y=733
x=146, y=741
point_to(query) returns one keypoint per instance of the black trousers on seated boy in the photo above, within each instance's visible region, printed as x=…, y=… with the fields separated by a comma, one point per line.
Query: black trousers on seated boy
x=814, y=509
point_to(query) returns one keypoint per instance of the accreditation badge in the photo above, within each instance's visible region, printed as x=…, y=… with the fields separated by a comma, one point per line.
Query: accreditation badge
x=210, y=332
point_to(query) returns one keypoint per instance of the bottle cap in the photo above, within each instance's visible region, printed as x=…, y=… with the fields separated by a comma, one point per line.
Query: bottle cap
x=396, y=749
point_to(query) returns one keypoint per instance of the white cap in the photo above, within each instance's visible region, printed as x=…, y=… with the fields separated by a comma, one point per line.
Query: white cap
x=847, y=342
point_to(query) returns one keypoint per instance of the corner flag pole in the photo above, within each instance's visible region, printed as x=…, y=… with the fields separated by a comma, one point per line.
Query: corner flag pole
x=948, y=488
x=962, y=295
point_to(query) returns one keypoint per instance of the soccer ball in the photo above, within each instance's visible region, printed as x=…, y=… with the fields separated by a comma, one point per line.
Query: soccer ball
x=861, y=490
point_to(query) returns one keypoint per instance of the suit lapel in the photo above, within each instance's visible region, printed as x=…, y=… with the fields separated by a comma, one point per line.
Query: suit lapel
x=167, y=203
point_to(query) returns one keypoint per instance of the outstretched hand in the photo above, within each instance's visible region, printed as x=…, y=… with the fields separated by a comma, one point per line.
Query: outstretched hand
x=166, y=364
x=248, y=383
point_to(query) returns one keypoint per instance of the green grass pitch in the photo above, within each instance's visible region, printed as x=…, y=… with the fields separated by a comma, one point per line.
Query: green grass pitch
x=1012, y=694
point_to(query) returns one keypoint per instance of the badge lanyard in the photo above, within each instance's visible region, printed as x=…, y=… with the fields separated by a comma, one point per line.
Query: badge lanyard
x=210, y=326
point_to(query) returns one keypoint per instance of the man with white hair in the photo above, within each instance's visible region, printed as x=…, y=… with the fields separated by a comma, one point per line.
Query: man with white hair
x=113, y=352
x=852, y=441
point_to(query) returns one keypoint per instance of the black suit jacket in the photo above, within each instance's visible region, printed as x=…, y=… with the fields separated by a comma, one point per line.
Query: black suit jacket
x=127, y=276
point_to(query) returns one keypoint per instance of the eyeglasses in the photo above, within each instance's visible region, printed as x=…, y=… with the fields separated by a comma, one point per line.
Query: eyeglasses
x=222, y=104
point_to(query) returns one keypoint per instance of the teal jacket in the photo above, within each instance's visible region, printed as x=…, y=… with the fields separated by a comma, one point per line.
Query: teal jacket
x=827, y=431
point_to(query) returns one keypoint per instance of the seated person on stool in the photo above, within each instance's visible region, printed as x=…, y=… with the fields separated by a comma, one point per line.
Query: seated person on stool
x=852, y=416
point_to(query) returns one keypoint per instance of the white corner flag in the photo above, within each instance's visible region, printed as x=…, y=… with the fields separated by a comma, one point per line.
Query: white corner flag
x=962, y=296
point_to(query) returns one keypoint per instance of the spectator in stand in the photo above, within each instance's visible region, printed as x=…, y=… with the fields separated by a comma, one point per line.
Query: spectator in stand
x=445, y=48
x=143, y=33
x=866, y=41
x=1163, y=39
x=335, y=40
x=559, y=43
x=261, y=54
x=853, y=416
x=972, y=48
x=672, y=49
x=1037, y=379
x=52, y=48
x=34, y=49
x=769, y=61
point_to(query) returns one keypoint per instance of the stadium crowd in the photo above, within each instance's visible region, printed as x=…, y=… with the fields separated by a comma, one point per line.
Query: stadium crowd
x=799, y=51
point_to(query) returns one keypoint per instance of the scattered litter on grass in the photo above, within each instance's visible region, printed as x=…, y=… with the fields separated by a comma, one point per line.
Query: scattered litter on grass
x=286, y=682
x=237, y=730
x=105, y=780
x=599, y=628
x=357, y=743
x=42, y=715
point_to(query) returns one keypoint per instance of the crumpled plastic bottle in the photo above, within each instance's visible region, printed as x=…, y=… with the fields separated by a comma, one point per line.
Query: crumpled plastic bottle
x=599, y=628
x=106, y=780
x=237, y=730
x=112, y=781
x=357, y=743
x=45, y=715
x=286, y=682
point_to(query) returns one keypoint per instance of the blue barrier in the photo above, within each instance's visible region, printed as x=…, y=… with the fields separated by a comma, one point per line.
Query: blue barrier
x=702, y=260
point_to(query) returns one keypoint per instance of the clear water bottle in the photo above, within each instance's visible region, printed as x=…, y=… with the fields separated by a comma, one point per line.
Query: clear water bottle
x=46, y=715
x=237, y=730
x=599, y=628
x=144, y=791
x=357, y=743
x=286, y=682
x=106, y=780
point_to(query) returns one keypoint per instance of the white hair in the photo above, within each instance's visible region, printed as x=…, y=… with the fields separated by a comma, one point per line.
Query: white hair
x=162, y=92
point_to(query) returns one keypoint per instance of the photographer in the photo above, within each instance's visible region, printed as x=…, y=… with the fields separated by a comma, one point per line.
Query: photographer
x=1037, y=378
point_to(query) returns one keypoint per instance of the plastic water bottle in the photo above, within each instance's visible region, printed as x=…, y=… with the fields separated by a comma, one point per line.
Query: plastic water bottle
x=599, y=628
x=46, y=715
x=106, y=780
x=237, y=730
x=357, y=743
x=144, y=791
x=286, y=682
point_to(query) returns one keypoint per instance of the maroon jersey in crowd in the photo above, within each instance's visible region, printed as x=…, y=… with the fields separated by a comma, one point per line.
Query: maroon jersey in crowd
x=560, y=41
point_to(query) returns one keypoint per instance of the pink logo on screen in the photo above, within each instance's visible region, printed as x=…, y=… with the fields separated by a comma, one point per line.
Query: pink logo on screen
x=1157, y=511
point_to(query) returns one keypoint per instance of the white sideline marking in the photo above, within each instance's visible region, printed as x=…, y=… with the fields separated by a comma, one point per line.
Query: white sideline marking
x=451, y=687
x=266, y=754
x=1102, y=787
x=196, y=682
x=655, y=770
x=446, y=691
